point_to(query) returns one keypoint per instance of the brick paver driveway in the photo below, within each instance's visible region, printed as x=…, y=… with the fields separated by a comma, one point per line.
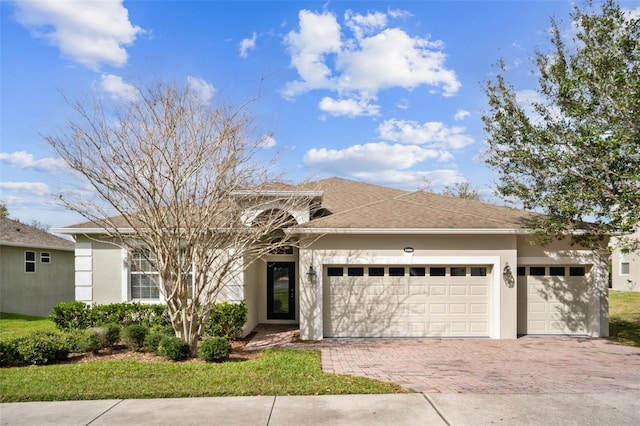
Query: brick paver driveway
x=525, y=365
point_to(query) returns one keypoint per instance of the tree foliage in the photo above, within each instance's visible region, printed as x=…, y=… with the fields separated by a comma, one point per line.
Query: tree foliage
x=176, y=181
x=574, y=154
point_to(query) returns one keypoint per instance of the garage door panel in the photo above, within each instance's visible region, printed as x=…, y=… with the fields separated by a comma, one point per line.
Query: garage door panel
x=458, y=290
x=554, y=304
x=406, y=306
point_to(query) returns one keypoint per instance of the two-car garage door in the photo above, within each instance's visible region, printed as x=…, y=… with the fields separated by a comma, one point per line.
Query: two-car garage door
x=406, y=301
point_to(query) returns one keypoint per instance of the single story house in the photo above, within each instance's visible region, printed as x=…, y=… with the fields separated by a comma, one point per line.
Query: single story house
x=36, y=269
x=374, y=261
x=625, y=267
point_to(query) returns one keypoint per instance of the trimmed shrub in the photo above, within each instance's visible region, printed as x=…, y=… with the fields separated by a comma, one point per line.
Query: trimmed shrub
x=152, y=340
x=71, y=316
x=133, y=336
x=88, y=341
x=42, y=347
x=111, y=334
x=227, y=320
x=174, y=348
x=9, y=354
x=78, y=315
x=214, y=349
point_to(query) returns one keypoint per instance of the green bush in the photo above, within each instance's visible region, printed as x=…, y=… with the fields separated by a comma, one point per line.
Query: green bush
x=227, y=320
x=174, y=348
x=111, y=335
x=152, y=340
x=71, y=316
x=87, y=341
x=78, y=315
x=9, y=354
x=214, y=349
x=133, y=336
x=42, y=347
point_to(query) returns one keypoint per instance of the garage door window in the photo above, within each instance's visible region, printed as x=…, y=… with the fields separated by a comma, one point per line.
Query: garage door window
x=376, y=272
x=458, y=271
x=576, y=271
x=556, y=271
x=335, y=272
x=396, y=272
x=437, y=272
x=537, y=271
x=417, y=272
x=355, y=272
x=479, y=271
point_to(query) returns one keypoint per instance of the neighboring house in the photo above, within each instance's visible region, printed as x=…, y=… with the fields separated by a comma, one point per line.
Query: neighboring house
x=625, y=267
x=371, y=261
x=36, y=269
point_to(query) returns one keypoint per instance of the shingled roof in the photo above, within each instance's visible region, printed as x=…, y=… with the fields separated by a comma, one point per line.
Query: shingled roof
x=351, y=205
x=14, y=233
x=355, y=205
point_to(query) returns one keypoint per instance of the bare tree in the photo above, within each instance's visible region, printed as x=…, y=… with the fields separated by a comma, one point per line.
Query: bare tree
x=177, y=184
x=462, y=190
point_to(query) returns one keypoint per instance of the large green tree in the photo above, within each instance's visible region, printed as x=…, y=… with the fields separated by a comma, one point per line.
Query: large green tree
x=574, y=154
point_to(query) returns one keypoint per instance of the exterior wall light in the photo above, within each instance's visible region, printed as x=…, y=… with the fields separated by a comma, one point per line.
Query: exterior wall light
x=507, y=276
x=311, y=273
x=408, y=249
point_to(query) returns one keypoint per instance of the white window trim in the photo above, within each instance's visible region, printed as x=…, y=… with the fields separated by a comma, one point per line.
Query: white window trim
x=45, y=255
x=34, y=261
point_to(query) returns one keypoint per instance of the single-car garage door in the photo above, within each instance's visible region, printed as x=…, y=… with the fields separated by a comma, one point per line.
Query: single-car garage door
x=553, y=300
x=406, y=301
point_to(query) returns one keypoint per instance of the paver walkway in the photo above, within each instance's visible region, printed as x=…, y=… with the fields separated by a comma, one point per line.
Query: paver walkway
x=524, y=366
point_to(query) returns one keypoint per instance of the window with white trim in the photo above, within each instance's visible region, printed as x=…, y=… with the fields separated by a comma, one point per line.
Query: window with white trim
x=45, y=257
x=624, y=263
x=145, y=279
x=30, y=261
x=144, y=276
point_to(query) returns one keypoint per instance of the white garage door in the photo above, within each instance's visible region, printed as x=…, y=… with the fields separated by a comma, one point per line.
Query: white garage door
x=403, y=301
x=553, y=300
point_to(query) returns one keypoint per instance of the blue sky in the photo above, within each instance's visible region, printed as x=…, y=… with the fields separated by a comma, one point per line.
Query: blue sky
x=384, y=92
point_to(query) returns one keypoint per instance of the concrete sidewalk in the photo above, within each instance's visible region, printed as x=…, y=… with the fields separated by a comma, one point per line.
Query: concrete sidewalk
x=397, y=409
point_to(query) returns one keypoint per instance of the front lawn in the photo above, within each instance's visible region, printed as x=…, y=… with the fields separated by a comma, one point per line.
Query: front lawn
x=624, y=317
x=15, y=325
x=277, y=372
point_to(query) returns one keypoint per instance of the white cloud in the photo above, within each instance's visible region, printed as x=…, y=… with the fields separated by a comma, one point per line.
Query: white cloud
x=412, y=180
x=247, y=44
x=632, y=13
x=369, y=157
x=24, y=160
x=349, y=107
x=376, y=58
x=403, y=104
x=91, y=33
x=432, y=133
x=267, y=142
x=361, y=25
x=35, y=188
x=461, y=114
x=115, y=86
x=201, y=88
x=319, y=36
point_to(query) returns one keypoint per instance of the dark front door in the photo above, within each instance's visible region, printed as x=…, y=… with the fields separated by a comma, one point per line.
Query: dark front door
x=281, y=290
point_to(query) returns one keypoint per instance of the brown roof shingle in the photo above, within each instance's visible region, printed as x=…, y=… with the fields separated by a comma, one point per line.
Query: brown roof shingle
x=16, y=233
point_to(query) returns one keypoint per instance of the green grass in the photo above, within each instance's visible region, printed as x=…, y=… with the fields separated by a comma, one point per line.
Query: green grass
x=14, y=325
x=624, y=317
x=277, y=372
